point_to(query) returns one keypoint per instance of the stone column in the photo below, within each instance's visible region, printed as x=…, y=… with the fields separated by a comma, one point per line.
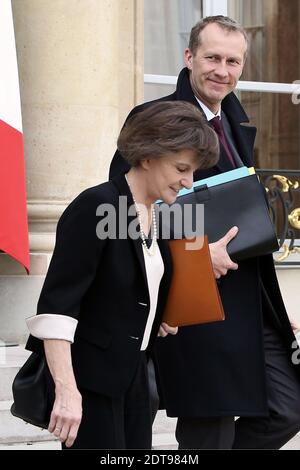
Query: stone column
x=81, y=71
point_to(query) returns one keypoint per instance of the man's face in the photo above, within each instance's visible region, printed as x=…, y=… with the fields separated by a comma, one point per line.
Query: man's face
x=217, y=65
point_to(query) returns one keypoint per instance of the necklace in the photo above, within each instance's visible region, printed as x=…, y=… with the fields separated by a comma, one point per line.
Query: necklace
x=149, y=250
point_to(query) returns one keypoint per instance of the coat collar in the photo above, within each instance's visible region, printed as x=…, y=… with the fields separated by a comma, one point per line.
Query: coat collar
x=123, y=188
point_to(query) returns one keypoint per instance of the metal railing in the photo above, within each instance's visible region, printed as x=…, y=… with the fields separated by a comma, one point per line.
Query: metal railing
x=283, y=189
x=259, y=87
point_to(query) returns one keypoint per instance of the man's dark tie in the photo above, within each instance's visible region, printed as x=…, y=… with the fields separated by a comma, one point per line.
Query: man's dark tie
x=218, y=127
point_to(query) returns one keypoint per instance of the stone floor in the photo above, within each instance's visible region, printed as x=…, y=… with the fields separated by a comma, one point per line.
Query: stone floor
x=16, y=435
x=163, y=439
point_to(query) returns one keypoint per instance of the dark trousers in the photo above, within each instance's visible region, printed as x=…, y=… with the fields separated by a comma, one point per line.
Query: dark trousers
x=154, y=396
x=272, y=432
x=117, y=423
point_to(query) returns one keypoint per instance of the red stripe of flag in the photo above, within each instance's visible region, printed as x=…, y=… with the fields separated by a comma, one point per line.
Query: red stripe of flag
x=13, y=210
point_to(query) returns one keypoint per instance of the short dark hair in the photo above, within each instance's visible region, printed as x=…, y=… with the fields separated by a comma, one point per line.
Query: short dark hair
x=224, y=22
x=168, y=127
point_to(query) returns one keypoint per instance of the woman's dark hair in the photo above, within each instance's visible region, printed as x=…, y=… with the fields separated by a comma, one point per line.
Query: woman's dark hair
x=168, y=127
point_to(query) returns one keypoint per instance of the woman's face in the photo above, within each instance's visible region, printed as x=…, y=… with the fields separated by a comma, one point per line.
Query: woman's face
x=168, y=174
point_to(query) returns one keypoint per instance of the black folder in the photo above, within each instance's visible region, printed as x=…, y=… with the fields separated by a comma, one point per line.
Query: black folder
x=242, y=203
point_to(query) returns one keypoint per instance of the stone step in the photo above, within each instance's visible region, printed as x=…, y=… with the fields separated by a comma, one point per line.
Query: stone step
x=163, y=431
x=293, y=444
x=7, y=375
x=164, y=441
x=46, y=445
x=160, y=442
x=11, y=359
x=163, y=424
x=17, y=434
x=14, y=430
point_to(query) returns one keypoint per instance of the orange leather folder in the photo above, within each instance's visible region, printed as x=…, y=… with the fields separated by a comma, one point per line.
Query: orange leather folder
x=194, y=296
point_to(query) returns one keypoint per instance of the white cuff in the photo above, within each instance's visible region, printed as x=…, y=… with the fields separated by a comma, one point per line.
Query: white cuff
x=51, y=326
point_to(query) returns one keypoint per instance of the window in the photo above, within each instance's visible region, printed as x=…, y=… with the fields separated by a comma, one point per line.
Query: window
x=274, y=58
x=273, y=28
x=167, y=28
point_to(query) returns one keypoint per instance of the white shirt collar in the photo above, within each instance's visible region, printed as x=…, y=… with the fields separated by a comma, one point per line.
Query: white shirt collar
x=208, y=113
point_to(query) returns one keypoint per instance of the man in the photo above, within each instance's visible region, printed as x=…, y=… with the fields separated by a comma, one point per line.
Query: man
x=242, y=367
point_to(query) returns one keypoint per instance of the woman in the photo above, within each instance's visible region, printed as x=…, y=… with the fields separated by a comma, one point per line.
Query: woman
x=101, y=305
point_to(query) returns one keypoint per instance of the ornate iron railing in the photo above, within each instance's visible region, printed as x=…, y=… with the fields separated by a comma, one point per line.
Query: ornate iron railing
x=283, y=188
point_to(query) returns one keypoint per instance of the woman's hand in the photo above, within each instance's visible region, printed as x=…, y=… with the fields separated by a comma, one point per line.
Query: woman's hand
x=66, y=414
x=165, y=330
x=67, y=411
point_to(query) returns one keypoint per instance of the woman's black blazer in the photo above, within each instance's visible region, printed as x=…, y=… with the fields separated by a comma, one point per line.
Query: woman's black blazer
x=103, y=285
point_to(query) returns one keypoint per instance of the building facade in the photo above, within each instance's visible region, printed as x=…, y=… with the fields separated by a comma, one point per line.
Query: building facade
x=83, y=64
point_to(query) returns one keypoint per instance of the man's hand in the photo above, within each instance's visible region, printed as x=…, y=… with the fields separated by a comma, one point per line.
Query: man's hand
x=165, y=330
x=220, y=259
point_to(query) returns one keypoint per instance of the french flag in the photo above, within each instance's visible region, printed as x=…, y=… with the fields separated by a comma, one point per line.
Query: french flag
x=13, y=208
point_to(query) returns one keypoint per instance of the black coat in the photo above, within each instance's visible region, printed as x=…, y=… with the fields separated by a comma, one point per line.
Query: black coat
x=103, y=285
x=218, y=369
